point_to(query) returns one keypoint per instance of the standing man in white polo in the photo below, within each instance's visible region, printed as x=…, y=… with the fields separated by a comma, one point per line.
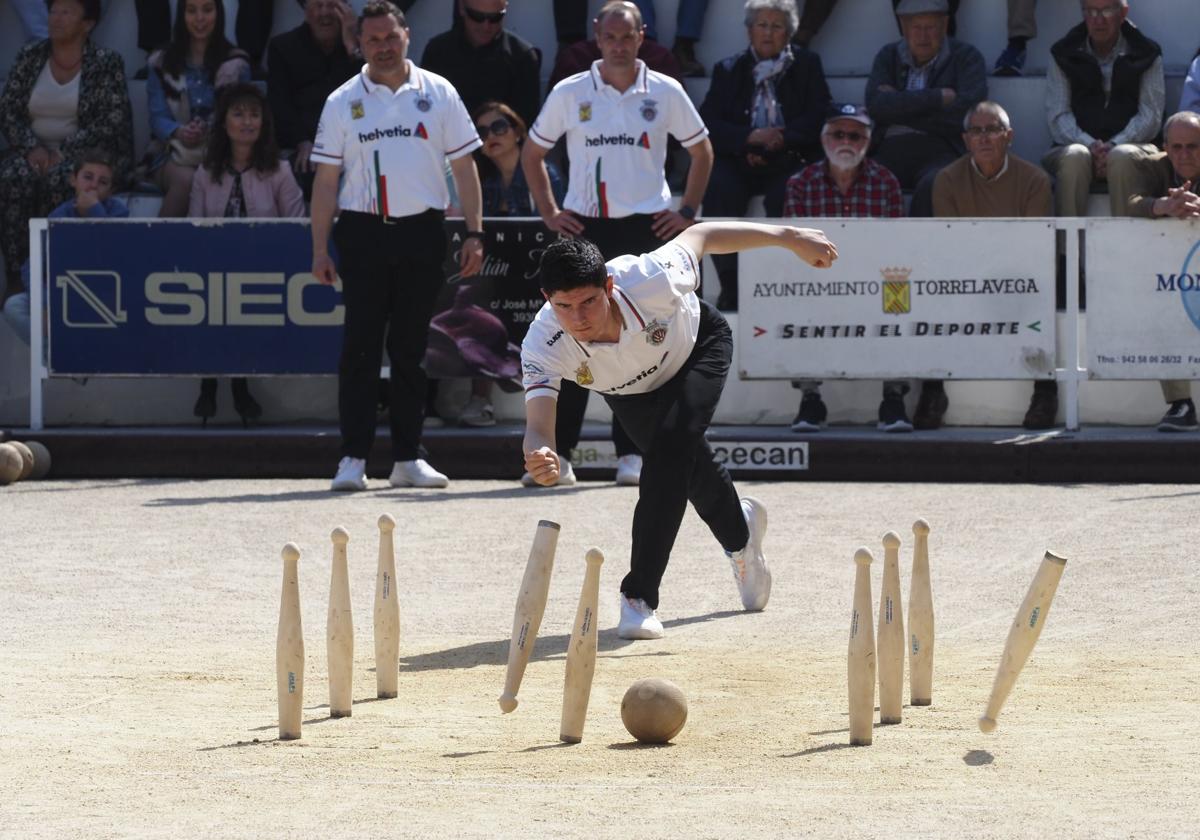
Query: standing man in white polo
x=617, y=117
x=385, y=134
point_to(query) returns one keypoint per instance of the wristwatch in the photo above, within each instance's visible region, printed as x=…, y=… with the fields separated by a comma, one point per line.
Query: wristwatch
x=474, y=234
x=688, y=213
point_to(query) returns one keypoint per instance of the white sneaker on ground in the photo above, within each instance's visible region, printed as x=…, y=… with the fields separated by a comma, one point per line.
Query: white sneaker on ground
x=638, y=621
x=478, y=413
x=749, y=566
x=416, y=473
x=566, y=476
x=629, y=470
x=351, y=474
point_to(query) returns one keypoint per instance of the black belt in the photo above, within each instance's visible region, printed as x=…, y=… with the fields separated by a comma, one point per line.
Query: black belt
x=392, y=220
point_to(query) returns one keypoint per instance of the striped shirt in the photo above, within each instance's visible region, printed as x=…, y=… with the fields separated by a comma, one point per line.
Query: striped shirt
x=617, y=142
x=875, y=194
x=392, y=146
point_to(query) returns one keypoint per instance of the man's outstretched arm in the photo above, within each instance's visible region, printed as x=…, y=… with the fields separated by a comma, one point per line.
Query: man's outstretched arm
x=541, y=461
x=808, y=244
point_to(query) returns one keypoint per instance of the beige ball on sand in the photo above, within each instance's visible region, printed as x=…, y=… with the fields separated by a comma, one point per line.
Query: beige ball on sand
x=26, y=458
x=654, y=710
x=41, y=459
x=11, y=463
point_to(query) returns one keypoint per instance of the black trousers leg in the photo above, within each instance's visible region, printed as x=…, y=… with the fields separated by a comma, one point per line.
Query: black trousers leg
x=253, y=27
x=153, y=23
x=570, y=21
x=678, y=466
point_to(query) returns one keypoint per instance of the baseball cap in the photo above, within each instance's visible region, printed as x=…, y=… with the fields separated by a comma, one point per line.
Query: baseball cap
x=923, y=7
x=848, y=111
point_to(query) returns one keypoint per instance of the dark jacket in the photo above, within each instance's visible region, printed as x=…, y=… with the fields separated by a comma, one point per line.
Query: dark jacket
x=802, y=94
x=1094, y=115
x=300, y=76
x=961, y=69
x=507, y=70
x=105, y=118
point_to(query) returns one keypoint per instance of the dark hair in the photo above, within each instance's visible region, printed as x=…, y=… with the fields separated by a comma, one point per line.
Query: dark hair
x=97, y=155
x=572, y=264
x=176, y=53
x=482, y=161
x=91, y=8
x=264, y=156
x=381, y=8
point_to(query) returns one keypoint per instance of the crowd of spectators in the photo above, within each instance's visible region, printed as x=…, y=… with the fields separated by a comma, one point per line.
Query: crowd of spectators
x=224, y=145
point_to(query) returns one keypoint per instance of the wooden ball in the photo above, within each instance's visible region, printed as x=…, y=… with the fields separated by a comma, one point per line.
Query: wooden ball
x=11, y=463
x=41, y=459
x=654, y=710
x=26, y=458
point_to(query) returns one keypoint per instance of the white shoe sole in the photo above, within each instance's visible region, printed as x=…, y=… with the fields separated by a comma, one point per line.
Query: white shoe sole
x=426, y=484
x=639, y=633
x=346, y=485
x=755, y=590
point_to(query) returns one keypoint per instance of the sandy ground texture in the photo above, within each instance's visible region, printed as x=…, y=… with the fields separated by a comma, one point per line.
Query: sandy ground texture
x=137, y=681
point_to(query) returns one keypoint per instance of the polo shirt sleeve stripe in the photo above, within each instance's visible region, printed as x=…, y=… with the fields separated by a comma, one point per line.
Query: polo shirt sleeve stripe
x=695, y=138
x=470, y=145
x=540, y=140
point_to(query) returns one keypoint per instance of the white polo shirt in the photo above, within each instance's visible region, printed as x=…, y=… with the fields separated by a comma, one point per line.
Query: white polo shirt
x=617, y=142
x=392, y=146
x=656, y=296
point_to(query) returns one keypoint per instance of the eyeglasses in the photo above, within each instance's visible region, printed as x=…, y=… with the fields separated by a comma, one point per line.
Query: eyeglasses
x=1107, y=13
x=484, y=17
x=993, y=130
x=498, y=127
x=852, y=136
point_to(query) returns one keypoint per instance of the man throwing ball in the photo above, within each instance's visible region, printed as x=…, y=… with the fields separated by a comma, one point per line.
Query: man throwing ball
x=635, y=331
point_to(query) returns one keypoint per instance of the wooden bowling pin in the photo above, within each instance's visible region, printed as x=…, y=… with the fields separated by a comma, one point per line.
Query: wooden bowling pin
x=387, y=614
x=861, y=656
x=531, y=604
x=920, y=621
x=289, y=649
x=581, y=653
x=339, y=630
x=1023, y=635
x=889, y=647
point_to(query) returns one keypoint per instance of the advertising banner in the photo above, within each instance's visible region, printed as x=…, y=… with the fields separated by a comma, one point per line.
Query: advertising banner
x=918, y=298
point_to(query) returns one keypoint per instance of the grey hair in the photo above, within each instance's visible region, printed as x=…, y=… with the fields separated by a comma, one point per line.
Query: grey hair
x=993, y=108
x=788, y=7
x=1180, y=118
x=620, y=7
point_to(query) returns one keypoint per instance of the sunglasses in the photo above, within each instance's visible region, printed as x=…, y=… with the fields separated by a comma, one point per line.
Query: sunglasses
x=852, y=136
x=484, y=17
x=498, y=127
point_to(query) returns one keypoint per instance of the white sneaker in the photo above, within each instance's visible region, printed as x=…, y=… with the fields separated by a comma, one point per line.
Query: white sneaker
x=638, y=621
x=629, y=470
x=416, y=473
x=351, y=474
x=749, y=566
x=478, y=412
x=566, y=476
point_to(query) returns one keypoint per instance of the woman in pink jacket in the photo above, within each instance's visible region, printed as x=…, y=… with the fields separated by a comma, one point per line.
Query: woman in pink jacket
x=241, y=178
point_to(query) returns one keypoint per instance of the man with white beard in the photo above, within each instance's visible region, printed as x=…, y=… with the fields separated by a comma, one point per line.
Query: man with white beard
x=846, y=183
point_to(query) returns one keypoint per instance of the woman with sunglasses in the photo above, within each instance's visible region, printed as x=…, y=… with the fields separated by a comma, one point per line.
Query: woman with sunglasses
x=505, y=193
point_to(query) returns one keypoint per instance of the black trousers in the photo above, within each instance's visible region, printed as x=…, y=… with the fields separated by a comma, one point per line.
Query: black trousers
x=614, y=238
x=391, y=275
x=678, y=465
x=915, y=159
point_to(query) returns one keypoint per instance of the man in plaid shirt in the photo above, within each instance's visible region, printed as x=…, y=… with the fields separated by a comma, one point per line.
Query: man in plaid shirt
x=846, y=183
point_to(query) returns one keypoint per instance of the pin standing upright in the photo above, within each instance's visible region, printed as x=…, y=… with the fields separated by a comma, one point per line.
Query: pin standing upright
x=889, y=650
x=531, y=604
x=289, y=648
x=581, y=654
x=861, y=656
x=920, y=621
x=339, y=630
x=387, y=614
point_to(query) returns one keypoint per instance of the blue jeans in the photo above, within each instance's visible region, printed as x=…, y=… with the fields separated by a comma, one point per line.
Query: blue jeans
x=689, y=19
x=34, y=15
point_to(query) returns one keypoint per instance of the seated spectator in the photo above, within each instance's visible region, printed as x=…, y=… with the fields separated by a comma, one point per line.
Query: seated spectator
x=1105, y=94
x=62, y=95
x=816, y=12
x=304, y=66
x=1169, y=191
x=183, y=83
x=241, y=178
x=1190, y=99
x=505, y=193
x=988, y=181
x=919, y=90
x=764, y=112
x=484, y=61
x=1022, y=27
x=92, y=180
x=846, y=184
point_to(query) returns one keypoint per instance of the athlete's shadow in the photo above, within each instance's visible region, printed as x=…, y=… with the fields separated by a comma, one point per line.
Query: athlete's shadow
x=547, y=647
